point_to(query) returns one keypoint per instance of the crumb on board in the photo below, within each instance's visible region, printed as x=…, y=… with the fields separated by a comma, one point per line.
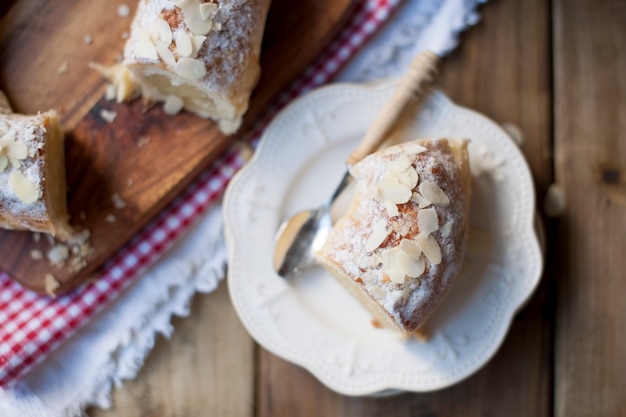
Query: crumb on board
x=51, y=284
x=118, y=202
x=58, y=255
x=108, y=115
x=123, y=10
x=143, y=141
x=63, y=68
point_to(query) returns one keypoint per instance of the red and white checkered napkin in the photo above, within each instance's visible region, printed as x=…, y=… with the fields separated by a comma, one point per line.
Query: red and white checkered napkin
x=32, y=325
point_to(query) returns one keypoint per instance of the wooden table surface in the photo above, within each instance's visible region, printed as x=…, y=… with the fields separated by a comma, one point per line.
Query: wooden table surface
x=557, y=70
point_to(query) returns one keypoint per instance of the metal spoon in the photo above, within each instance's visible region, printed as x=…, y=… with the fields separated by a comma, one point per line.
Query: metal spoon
x=300, y=236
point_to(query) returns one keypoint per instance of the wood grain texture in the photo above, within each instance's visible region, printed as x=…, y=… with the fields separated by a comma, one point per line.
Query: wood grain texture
x=144, y=156
x=206, y=369
x=501, y=69
x=590, y=121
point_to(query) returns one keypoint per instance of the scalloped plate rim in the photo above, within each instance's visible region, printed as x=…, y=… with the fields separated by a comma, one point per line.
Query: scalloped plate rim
x=529, y=220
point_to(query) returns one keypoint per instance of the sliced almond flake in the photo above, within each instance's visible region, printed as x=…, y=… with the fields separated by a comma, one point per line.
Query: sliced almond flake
x=392, y=209
x=411, y=248
x=430, y=247
x=192, y=69
x=184, y=46
x=407, y=178
x=23, y=188
x=392, y=150
x=207, y=10
x=165, y=54
x=198, y=42
x=420, y=200
x=428, y=221
x=146, y=50
x=394, y=272
x=378, y=235
x=145, y=47
x=411, y=266
x=432, y=192
x=14, y=161
x=193, y=17
x=414, y=148
x=173, y=105
x=18, y=150
x=393, y=191
x=400, y=164
x=446, y=229
x=161, y=31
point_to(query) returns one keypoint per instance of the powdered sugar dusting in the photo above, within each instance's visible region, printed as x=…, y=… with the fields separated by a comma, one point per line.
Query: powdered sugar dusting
x=31, y=131
x=226, y=52
x=409, y=303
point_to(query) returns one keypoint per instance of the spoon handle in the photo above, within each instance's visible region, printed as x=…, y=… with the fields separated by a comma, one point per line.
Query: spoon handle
x=411, y=89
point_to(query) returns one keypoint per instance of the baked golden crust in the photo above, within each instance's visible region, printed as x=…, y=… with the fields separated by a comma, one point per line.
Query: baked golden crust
x=208, y=63
x=400, y=257
x=32, y=175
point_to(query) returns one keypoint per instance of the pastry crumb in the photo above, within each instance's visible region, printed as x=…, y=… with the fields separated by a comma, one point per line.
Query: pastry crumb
x=63, y=68
x=36, y=255
x=143, y=141
x=118, y=203
x=51, y=284
x=58, y=255
x=376, y=324
x=123, y=10
x=108, y=115
x=554, y=204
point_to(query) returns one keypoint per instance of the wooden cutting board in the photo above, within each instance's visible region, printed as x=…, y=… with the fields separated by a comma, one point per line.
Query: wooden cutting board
x=144, y=156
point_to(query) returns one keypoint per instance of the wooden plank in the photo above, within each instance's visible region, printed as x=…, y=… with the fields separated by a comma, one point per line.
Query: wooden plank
x=206, y=369
x=502, y=69
x=590, y=101
x=38, y=37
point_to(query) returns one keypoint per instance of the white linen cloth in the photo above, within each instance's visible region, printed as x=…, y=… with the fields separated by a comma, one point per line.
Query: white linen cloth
x=114, y=345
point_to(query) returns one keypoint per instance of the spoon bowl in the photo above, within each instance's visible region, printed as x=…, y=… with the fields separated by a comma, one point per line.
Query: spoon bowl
x=300, y=236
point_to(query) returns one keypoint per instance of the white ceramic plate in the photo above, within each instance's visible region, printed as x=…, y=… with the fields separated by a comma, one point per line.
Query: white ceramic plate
x=312, y=321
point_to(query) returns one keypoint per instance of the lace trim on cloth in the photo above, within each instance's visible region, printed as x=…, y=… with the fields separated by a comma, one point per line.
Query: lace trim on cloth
x=108, y=350
x=417, y=25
